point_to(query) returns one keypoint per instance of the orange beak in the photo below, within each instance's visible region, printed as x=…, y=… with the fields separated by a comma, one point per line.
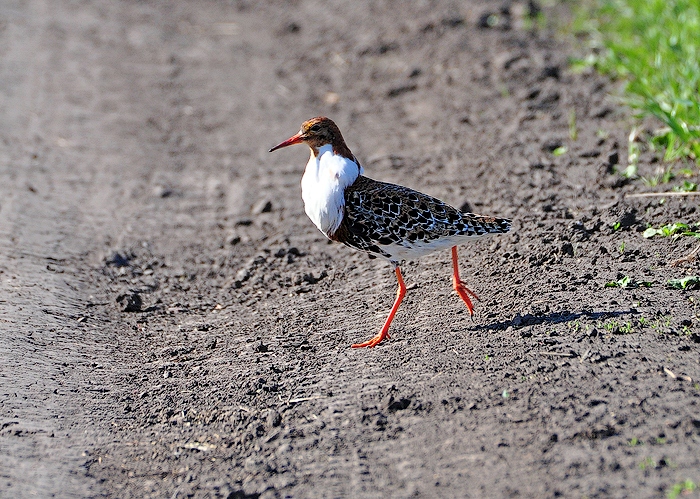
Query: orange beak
x=294, y=139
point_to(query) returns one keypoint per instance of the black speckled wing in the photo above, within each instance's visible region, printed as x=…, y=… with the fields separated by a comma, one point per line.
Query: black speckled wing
x=399, y=223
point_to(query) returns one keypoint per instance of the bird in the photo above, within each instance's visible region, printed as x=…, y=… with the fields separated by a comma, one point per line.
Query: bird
x=379, y=218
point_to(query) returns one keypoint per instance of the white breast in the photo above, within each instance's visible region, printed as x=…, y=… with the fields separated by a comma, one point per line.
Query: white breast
x=323, y=186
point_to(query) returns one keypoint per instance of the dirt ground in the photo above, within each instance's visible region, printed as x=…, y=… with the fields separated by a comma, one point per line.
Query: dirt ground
x=174, y=326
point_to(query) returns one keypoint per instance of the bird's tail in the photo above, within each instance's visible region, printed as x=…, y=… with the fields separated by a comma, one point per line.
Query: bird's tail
x=488, y=225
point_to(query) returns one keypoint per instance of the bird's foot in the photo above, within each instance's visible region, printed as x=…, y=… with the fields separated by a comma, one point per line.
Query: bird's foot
x=464, y=293
x=374, y=341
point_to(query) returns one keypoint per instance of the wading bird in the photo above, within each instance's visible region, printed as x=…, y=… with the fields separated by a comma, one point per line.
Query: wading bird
x=382, y=219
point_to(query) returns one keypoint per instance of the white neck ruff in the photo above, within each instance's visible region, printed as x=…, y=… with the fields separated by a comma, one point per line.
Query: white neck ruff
x=323, y=187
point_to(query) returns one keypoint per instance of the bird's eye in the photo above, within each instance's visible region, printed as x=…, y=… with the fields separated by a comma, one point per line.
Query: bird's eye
x=315, y=128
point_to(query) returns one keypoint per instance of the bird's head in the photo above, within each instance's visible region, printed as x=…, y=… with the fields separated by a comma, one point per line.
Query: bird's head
x=316, y=133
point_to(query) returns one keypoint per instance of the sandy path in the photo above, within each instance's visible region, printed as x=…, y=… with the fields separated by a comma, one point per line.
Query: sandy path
x=133, y=139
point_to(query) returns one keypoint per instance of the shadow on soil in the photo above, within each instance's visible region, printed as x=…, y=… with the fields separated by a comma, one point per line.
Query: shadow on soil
x=520, y=321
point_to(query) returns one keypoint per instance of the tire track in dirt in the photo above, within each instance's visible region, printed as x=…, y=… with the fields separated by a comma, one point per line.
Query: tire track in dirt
x=46, y=353
x=69, y=197
x=66, y=200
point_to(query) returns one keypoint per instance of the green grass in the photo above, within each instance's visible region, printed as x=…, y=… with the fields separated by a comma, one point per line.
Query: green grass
x=663, y=177
x=627, y=282
x=654, y=46
x=647, y=463
x=660, y=324
x=560, y=151
x=573, y=130
x=686, y=187
x=673, y=230
x=687, y=282
x=615, y=327
x=681, y=489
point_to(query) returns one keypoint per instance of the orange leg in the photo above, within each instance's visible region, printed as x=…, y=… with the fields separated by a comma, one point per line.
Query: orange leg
x=384, y=333
x=463, y=291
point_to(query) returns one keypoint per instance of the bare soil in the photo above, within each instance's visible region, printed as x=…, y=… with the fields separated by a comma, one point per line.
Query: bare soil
x=174, y=326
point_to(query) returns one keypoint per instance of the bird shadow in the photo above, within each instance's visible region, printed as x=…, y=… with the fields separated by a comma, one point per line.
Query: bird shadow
x=520, y=321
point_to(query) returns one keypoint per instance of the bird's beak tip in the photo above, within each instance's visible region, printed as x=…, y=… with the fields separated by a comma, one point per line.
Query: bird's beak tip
x=294, y=139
